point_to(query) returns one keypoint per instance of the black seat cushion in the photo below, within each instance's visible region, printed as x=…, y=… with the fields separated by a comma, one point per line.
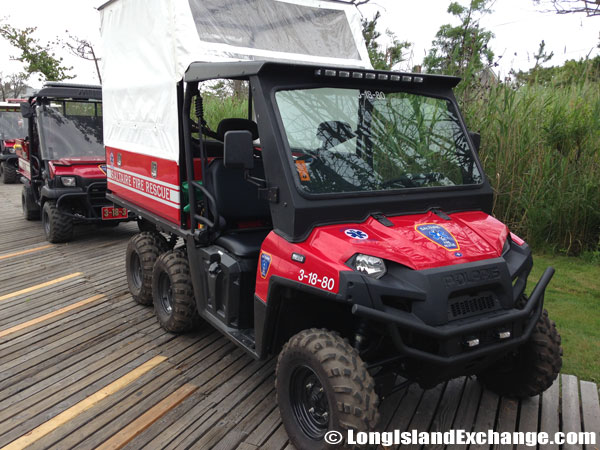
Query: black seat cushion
x=236, y=198
x=236, y=125
x=245, y=244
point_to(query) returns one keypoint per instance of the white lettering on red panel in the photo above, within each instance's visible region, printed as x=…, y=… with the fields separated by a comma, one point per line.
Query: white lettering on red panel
x=160, y=191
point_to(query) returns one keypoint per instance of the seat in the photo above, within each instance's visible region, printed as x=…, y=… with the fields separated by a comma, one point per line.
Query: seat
x=235, y=124
x=237, y=201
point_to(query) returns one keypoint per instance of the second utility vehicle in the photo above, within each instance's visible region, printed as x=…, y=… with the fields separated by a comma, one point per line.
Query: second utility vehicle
x=62, y=163
x=12, y=126
x=344, y=225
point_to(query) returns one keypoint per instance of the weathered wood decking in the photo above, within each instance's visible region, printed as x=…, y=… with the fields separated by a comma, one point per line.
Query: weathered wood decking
x=83, y=366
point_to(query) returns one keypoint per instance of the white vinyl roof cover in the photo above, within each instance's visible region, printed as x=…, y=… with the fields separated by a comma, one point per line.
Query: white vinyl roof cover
x=149, y=44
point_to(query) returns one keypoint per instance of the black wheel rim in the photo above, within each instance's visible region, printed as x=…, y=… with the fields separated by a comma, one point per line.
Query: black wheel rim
x=136, y=270
x=309, y=402
x=165, y=293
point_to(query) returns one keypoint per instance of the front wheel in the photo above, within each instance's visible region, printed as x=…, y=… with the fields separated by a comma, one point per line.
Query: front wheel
x=532, y=368
x=58, y=227
x=323, y=385
x=8, y=173
x=31, y=211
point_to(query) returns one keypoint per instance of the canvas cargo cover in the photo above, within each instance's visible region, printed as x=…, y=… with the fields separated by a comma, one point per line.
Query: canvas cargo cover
x=149, y=44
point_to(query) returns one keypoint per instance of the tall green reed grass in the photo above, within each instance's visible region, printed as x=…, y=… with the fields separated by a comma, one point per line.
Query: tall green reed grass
x=541, y=151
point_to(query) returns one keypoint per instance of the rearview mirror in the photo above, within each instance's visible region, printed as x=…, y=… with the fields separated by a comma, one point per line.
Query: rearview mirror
x=26, y=110
x=239, y=150
x=476, y=138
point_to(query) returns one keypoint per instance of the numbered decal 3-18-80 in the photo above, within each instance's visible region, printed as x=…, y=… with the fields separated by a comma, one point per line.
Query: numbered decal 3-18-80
x=314, y=279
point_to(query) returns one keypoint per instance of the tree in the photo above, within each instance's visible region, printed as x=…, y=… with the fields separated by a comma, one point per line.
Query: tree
x=462, y=50
x=589, y=7
x=83, y=49
x=37, y=58
x=383, y=58
x=13, y=85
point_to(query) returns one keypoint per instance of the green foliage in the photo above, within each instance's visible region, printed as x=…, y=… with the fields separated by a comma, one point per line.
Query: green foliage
x=37, y=58
x=383, y=58
x=569, y=73
x=463, y=49
x=540, y=150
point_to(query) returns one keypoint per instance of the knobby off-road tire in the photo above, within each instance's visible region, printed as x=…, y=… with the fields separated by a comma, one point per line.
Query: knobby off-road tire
x=143, y=250
x=31, y=211
x=58, y=227
x=532, y=368
x=319, y=370
x=9, y=173
x=174, y=303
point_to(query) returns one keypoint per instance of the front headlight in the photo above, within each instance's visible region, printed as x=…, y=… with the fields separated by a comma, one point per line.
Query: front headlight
x=11, y=150
x=369, y=265
x=68, y=181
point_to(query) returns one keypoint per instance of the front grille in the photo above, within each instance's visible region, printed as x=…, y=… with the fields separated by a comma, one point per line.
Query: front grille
x=97, y=194
x=471, y=305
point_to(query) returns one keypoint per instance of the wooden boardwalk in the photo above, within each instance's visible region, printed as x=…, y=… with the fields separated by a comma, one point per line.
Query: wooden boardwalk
x=83, y=366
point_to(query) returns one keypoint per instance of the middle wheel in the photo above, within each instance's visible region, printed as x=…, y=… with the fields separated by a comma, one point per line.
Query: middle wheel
x=173, y=293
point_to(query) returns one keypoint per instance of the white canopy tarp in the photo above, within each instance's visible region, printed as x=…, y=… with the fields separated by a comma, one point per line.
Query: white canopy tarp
x=149, y=44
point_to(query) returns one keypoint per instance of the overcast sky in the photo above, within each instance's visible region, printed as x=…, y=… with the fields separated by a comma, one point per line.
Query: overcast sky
x=518, y=25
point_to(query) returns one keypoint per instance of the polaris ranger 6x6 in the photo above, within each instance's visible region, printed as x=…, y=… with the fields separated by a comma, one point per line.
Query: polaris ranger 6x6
x=62, y=163
x=12, y=126
x=344, y=225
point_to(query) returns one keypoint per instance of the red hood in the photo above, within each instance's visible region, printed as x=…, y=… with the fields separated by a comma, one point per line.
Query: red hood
x=9, y=143
x=89, y=168
x=411, y=240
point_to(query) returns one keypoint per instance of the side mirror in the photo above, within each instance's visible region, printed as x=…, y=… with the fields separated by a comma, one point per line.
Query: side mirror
x=27, y=110
x=476, y=138
x=239, y=150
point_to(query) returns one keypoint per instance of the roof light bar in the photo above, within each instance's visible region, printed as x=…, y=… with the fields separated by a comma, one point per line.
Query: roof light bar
x=369, y=76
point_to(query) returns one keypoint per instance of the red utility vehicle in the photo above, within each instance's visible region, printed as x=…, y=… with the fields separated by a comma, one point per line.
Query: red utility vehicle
x=344, y=225
x=62, y=162
x=12, y=126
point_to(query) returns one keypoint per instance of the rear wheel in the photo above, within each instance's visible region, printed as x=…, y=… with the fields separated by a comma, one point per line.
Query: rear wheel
x=173, y=293
x=58, y=227
x=532, y=368
x=31, y=210
x=323, y=385
x=142, y=252
x=8, y=173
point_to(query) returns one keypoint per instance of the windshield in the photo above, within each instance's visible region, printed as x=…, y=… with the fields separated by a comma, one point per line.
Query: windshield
x=12, y=125
x=353, y=140
x=71, y=129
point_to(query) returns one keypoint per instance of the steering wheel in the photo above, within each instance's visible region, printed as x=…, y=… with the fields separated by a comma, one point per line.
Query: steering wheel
x=411, y=180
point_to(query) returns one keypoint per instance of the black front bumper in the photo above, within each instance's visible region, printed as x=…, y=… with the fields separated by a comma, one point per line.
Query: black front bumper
x=86, y=201
x=431, y=315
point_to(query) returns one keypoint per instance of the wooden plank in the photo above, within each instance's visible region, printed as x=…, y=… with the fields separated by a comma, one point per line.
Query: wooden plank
x=486, y=416
x=78, y=408
x=550, y=419
x=528, y=417
x=39, y=286
x=406, y=409
x=45, y=317
x=467, y=409
x=124, y=436
x=25, y=252
x=507, y=420
x=590, y=407
x=446, y=411
x=425, y=411
x=571, y=419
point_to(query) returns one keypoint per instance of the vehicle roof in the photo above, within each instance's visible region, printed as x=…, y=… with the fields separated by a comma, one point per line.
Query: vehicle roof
x=202, y=71
x=69, y=90
x=9, y=105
